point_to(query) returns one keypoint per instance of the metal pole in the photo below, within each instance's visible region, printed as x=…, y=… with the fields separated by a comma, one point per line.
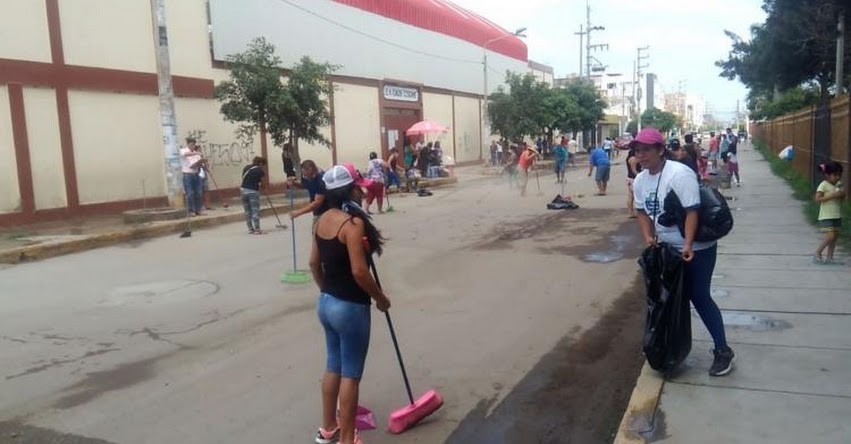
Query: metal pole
x=840, y=54
x=588, y=39
x=173, y=176
x=485, y=99
x=581, y=34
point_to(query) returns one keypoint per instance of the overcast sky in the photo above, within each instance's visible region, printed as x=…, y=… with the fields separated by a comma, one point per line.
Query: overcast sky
x=685, y=38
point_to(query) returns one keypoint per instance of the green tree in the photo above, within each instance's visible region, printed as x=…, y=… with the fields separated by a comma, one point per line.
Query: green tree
x=795, y=46
x=792, y=100
x=661, y=120
x=303, y=116
x=520, y=109
x=254, y=92
x=257, y=98
x=591, y=107
x=563, y=111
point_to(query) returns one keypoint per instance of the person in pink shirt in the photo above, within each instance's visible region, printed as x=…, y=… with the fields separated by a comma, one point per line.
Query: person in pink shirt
x=191, y=162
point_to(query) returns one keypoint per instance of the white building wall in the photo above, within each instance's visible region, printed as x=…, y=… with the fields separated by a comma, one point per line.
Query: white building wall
x=438, y=108
x=23, y=31
x=45, y=148
x=468, y=135
x=10, y=194
x=382, y=49
x=91, y=30
x=117, y=146
x=357, y=123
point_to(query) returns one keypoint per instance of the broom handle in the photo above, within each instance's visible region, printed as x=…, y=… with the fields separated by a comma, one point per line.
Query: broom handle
x=392, y=331
x=292, y=221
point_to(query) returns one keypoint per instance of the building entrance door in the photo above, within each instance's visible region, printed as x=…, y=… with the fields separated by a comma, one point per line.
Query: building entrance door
x=396, y=122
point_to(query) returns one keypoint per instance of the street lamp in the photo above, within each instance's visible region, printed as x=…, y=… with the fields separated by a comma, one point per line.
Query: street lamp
x=518, y=33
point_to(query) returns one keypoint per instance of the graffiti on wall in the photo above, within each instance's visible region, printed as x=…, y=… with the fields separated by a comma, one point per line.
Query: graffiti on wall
x=235, y=153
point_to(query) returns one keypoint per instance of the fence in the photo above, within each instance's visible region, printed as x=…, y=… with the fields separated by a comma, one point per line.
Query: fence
x=818, y=133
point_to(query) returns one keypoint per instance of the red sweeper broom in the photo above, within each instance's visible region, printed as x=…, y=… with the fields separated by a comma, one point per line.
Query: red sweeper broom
x=408, y=416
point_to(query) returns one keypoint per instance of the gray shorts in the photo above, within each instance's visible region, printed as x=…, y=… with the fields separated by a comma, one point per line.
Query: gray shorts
x=830, y=224
x=602, y=173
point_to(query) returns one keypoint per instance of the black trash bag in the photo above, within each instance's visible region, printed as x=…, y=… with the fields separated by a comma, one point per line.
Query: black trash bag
x=714, y=218
x=667, y=329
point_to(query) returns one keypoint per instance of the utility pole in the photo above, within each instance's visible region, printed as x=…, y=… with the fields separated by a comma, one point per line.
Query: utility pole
x=840, y=54
x=173, y=175
x=638, y=67
x=737, y=116
x=581, y=35
x=588, y=46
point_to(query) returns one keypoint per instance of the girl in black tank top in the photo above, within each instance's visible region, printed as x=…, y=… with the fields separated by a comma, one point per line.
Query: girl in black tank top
x=338, y=261
x=338, y=280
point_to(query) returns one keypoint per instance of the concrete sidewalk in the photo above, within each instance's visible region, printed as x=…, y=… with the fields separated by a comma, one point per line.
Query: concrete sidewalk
x=788, y=320
x=44, y=240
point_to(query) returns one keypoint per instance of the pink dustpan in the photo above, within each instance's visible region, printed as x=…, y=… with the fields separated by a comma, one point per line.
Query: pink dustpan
x=407, y=416
x=364, y=420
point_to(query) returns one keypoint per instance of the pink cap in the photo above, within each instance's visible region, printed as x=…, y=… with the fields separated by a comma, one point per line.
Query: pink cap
x=648, y=136
x=356, y=176
x=341, y=175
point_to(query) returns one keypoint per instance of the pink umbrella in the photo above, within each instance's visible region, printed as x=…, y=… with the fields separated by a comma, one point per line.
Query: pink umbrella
x=426, y=127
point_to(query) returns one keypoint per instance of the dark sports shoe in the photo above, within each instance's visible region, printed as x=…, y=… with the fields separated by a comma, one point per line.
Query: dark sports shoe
x=327, y=437
x=723, y=362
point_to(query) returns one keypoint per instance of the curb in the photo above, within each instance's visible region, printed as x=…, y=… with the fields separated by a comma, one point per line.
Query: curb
x=638, y=422
x=30, y=253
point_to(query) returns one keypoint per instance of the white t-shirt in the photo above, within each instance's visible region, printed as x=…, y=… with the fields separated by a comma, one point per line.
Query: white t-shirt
x=572, y=147
x=674, y=176
x=188, y=158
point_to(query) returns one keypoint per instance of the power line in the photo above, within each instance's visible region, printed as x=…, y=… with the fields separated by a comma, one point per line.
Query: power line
x=378, y=39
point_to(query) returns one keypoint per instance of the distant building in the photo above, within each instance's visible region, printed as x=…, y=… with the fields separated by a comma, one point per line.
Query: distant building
x=542, y=73
x=80, y=129
x=652, y=92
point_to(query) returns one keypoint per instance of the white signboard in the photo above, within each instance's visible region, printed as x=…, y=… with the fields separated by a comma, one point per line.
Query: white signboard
x=401, y=93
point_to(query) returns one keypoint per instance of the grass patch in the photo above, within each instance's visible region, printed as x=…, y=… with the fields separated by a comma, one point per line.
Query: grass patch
x=805, y=193
x=17, y=235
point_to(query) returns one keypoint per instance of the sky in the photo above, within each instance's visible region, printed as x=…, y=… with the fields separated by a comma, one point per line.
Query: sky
x=686, y=37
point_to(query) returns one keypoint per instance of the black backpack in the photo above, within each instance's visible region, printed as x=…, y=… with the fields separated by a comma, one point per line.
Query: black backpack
x=715, y=220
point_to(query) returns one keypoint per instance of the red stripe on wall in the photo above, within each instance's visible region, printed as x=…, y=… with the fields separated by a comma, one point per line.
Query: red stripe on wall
x=98, y=79
x=448, y=19
x=22, y=147
x=57, y=53
x=67, y=145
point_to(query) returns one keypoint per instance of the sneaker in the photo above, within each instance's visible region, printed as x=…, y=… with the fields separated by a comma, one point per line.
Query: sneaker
x=723, y=362
x=327, y=437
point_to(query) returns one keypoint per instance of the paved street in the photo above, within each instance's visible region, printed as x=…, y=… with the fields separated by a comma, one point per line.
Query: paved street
x=497, y=303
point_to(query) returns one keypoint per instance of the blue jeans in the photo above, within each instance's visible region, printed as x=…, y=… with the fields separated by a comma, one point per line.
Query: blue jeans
x=347, y=327
x=393, y=178
x=193, y=192
x=697, y=283
x=251, y=205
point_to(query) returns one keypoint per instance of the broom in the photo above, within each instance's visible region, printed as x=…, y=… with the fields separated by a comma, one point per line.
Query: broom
x=390, y=208
x=295, y=276
x=406, y=417
x=221, y=199
x=538, y=180
x=188, y=231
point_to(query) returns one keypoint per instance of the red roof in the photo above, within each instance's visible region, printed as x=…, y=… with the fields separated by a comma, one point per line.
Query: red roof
x=446, y=18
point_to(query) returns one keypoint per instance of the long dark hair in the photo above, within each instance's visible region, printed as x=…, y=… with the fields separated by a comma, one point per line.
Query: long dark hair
x=341, y=199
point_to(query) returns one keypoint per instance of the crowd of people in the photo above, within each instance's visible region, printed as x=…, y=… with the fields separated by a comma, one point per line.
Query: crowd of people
x=341, y=198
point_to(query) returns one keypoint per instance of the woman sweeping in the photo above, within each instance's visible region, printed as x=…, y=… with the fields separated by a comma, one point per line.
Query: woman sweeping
x=339, y=266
